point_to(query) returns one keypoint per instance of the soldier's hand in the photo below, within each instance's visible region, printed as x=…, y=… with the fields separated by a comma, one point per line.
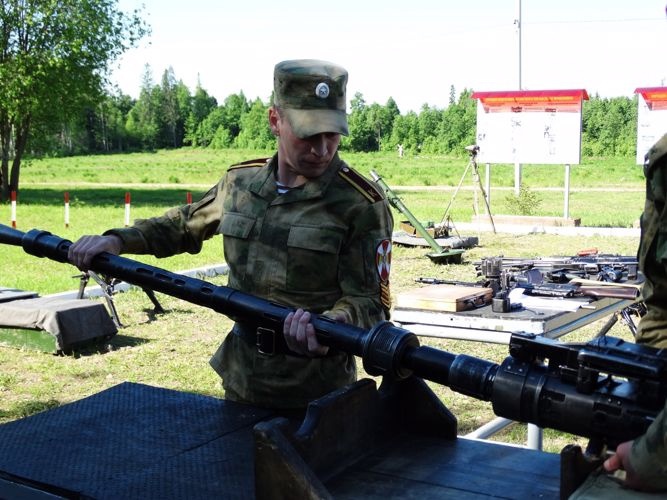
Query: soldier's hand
x=300, y=334
x=621, y=461
x=82, y=251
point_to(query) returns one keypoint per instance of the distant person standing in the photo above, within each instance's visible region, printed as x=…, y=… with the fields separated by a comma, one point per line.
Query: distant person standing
x=400, y=150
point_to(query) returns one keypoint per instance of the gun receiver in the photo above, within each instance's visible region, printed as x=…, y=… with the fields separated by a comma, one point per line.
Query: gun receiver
x=607, y=390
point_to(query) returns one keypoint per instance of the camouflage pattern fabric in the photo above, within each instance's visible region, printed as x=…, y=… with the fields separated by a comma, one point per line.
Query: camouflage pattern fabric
x=321, y=247
x=599, y=485
x=652, y=254
x=311, y=94
x=649, y=453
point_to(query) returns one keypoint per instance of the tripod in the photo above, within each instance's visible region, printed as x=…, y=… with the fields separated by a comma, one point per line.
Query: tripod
x=477, y=183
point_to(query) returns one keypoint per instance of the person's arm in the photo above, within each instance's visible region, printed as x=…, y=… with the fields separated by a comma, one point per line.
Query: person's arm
x=364, y=266
x=181, y=229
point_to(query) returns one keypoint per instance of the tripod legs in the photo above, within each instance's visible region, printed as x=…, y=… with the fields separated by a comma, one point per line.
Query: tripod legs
x=456, y=191
x=477, y=183
x=481, y=188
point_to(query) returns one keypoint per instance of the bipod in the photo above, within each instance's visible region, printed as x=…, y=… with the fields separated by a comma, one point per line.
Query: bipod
x=439, y=255
x=107, y=286
x=477, y=183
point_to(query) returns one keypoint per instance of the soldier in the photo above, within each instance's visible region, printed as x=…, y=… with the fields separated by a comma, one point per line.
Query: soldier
x=644, y=460
x=301, y=229
x=652, y=254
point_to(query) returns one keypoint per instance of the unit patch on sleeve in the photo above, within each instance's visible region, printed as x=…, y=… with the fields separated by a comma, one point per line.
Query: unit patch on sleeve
x=383, y=259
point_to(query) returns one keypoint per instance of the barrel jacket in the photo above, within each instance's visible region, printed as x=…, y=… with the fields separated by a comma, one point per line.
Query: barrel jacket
x=324, y=247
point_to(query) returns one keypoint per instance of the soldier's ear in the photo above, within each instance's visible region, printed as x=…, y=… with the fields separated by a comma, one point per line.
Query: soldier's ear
x=274, y=120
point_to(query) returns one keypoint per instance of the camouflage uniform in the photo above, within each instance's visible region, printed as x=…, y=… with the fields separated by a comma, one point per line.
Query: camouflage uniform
x=322, y=247
x=652, y=255
x=649, y=452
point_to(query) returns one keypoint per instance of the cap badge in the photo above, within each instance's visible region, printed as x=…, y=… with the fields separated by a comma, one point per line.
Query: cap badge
x=322, y=90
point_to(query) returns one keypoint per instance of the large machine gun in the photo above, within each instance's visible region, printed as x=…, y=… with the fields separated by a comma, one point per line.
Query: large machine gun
x=598, y=267
x=606, y=390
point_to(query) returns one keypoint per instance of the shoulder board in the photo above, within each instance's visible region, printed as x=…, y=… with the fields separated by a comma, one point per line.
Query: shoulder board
x=361, y=184
x=260, y=162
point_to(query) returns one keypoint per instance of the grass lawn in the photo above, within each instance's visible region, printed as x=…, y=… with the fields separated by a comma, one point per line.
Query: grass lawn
x=172, y=350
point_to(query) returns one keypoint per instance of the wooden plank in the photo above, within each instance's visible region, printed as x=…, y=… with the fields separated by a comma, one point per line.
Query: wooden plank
x=419, y=467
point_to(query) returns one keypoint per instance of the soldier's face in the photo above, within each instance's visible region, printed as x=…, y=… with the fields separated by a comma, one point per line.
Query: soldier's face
x=308, y=157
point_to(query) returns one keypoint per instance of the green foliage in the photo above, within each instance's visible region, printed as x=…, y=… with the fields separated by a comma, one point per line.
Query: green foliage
x=53, y=61
x=167, y=115
x=254, y=129
x=201, y=106
x=609, y=126
x=527, y=202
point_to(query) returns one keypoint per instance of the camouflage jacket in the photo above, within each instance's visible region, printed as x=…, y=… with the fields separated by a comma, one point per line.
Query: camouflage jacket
x=652, y=253
x=649, y=452
x=324, y=247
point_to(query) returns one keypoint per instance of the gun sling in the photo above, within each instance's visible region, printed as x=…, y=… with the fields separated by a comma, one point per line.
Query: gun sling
x=266, y=340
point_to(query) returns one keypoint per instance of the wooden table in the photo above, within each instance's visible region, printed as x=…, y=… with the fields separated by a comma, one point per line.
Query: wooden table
x=137, y=441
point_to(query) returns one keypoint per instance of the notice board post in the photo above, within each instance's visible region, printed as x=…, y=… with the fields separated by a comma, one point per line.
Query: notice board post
x=651, y=118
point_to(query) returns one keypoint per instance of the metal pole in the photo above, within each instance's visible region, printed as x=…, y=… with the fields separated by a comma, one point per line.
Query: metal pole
x=487, y=183
x=517, y=23
x=566, y=198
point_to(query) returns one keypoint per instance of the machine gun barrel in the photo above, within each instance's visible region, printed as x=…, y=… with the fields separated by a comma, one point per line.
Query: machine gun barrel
x=574, y=392
x=382, y=348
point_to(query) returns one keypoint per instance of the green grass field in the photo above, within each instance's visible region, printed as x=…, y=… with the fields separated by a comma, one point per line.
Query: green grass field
x=172, y=350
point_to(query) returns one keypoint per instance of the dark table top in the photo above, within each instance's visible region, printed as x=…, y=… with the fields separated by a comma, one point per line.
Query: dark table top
x=138, y=441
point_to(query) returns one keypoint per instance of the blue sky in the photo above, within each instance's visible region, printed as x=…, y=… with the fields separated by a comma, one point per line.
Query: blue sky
x=410, y=50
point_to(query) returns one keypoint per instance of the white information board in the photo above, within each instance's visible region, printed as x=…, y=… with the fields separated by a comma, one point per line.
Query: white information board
x=651, y=119
x=540, y=127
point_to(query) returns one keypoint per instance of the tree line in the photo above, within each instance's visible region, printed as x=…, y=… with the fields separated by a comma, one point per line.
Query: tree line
x=168, y=115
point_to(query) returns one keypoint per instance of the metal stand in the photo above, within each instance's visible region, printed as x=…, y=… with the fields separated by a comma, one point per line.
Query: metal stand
x=625, y=315
x=108, y=290
x=477, y=183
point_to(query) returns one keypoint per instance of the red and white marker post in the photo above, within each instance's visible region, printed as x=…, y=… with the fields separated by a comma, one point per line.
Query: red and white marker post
x=66, y=209
x=12, y=197
x=127, y=209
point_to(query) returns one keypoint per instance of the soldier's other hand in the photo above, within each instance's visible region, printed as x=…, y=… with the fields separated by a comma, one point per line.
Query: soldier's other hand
x=300, y=334
x=621, y=461
x=82, y=251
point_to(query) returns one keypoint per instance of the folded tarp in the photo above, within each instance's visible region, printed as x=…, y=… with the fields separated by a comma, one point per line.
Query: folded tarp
x=70, y=321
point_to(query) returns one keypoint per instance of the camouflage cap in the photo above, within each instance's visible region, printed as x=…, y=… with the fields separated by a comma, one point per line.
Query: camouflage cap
x=311, y=93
